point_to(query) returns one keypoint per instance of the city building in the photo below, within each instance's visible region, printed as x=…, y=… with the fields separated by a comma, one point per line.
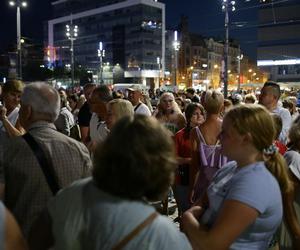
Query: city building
x=192, y=57
x=278, y=49
x=132, y=33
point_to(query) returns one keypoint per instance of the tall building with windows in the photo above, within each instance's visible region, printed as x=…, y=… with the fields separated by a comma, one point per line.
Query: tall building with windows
x=279, y=40
x=132, y=33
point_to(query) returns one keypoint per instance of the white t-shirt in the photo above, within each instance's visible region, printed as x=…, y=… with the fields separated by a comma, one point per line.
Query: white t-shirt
x=293, y=160
x=84, y=217
x=142, y=109
x=12, y=117
x=286, y=122
x=98, y=129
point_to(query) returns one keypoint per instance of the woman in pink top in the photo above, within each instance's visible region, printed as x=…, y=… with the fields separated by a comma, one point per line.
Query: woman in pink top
x=206, y=149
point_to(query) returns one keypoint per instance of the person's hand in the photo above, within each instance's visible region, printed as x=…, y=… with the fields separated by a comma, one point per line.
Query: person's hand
x=3, y=112
x=190, y=218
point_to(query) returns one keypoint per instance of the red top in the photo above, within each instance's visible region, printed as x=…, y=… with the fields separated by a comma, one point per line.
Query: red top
x=183, y=147
x=281, y=147
x=183, y=144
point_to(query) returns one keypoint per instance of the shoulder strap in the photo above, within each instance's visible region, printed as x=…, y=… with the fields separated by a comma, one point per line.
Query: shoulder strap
x=199, y=134
x=135, y=231
x=137, y=106
x=44, y=164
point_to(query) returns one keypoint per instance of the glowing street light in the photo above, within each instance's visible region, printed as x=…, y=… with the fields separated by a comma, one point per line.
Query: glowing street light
x=176, y=46
x=19, y=4
x=239, y=59
x=72, y=34
x=101, y=54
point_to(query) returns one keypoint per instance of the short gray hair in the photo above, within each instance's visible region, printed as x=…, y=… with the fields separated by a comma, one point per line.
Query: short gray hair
x=43, y=99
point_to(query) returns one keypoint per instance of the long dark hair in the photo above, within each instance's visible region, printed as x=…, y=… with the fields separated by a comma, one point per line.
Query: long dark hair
x=190, y=109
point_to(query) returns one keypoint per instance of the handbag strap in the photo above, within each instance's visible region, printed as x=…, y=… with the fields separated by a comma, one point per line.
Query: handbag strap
x=44, y=164
x=137, y=106
x=135, y=231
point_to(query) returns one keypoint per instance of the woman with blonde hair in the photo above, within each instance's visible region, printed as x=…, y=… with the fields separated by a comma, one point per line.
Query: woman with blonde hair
x=117, y=109
x=9, y=110
x=169, y=114
x=243, y=206
x=206, y=148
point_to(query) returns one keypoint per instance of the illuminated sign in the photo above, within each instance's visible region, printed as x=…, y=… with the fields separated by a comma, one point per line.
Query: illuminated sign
x=278, y=62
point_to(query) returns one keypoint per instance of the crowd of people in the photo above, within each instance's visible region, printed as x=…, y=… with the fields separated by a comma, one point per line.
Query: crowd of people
x=83, y=169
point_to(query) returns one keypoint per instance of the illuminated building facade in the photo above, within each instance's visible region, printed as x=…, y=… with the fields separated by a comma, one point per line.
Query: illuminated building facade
x=279, y=40
x=132, y=33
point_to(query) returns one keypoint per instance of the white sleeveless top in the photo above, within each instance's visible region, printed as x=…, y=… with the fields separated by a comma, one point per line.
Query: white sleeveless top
x=12, y=117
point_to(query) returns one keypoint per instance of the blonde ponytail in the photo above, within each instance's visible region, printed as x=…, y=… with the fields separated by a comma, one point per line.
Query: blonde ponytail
x=276, y=164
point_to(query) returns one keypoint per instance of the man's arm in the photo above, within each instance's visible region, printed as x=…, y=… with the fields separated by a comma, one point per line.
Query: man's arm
x=286, y=124
x=13, y=237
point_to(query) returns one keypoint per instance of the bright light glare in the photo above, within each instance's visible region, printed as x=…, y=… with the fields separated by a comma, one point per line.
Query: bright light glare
x=24, y=4
x=278, y=62
x=12, y=3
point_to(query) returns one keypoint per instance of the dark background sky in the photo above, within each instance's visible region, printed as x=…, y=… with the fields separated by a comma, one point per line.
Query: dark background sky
x=205, y=17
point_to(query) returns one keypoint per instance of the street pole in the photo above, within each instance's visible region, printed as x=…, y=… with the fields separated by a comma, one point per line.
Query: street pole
x=101, y=54
x=101, y=69
x=226, y=51
x=159, y=69
x=176, y=46
x=239, y=58
x=19, y=49
x=19, y=4
x=72, y=33
x=175, y=72
x=225, y=8
x=72, y=62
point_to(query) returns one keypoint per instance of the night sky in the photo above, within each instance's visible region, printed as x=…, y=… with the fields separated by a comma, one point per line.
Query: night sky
x=205, y=17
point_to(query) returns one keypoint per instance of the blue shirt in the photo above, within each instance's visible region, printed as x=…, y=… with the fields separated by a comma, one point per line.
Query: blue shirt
x=254, y=186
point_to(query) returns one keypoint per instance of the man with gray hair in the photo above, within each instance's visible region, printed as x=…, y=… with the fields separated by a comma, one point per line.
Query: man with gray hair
x=98, y=101
x=26, y=185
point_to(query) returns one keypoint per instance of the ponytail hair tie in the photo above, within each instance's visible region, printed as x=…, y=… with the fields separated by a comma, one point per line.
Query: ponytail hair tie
x=271, y=150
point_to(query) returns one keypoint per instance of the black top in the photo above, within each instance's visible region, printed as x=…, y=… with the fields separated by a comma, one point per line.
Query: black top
x=84, y=115
x=195, y=98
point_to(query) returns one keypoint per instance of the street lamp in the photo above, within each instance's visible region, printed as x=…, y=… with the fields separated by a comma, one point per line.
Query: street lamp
x=176, y=46
x=239, y=58
x=226, y=5
x=192, y=70
x=101, y=54
x=159, y=68
x=19, y=4
x=72, y=34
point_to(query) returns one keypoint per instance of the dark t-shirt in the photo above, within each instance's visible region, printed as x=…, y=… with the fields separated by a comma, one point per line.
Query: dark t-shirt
x=84, y=115
x=195, y=98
